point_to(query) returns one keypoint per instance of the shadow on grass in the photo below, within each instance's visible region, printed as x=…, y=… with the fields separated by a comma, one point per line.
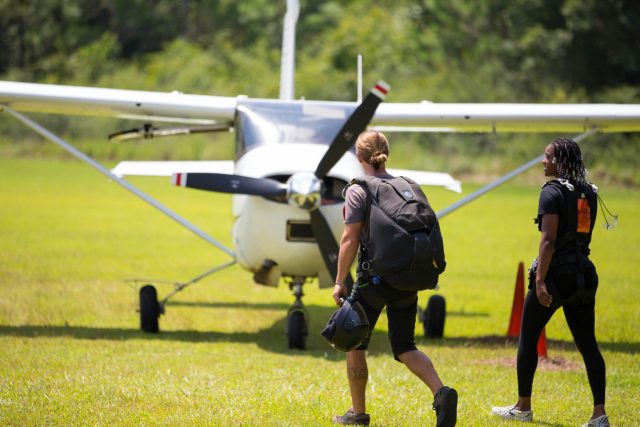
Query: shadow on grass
x=238, y=305
x=467, y=314
x=274, y=339
x=495, y=341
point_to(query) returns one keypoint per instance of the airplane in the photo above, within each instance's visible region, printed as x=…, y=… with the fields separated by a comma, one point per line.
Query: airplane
x=294, y=157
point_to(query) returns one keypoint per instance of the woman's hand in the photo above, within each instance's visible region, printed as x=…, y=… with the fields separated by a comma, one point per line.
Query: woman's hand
x=339, y=291
x=543, y=295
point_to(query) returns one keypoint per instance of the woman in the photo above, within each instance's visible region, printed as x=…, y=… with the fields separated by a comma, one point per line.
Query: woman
x=562, y=275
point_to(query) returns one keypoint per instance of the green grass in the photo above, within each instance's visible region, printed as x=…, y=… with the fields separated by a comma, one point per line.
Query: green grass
x=71, y=352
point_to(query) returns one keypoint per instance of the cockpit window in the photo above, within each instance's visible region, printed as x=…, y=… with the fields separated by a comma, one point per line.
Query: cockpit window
x=261, y=122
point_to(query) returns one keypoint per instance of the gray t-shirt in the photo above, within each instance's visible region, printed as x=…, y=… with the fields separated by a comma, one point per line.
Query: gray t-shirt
x=355, y=202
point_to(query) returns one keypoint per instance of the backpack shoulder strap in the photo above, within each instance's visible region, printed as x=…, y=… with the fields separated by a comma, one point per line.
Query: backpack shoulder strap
x=371, y=183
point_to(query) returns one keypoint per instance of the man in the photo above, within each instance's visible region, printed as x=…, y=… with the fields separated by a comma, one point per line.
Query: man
x=372, y=150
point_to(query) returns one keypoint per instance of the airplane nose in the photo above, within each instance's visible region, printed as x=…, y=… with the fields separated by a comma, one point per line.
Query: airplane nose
x=303, y=190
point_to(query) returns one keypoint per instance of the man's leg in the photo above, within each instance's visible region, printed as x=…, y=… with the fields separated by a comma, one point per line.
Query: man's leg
x=357, y=373
x=445, y=399
x=420, y=364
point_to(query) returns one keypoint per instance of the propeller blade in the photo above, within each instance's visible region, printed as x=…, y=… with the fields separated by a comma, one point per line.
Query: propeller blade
x=355, y=124
x=328, y=245
x=234, y=184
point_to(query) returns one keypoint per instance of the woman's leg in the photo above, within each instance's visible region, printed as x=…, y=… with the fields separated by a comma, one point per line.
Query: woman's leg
x=534, y=318
x=581, y=321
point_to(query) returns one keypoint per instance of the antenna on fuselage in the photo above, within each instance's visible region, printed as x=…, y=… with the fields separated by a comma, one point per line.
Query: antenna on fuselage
x=287, y=66
x=359, y=78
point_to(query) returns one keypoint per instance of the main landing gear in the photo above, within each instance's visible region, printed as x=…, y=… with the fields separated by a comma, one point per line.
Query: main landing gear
x=433, y=317
x=297, y=327
x=150, y=308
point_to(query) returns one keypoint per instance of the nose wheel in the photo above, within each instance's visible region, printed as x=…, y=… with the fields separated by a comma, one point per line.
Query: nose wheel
x=297, y=317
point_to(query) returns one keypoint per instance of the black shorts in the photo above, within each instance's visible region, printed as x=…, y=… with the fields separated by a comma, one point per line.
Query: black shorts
x=402, y=307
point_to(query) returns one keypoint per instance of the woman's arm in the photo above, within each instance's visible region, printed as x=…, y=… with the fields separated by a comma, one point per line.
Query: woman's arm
x=548, y=236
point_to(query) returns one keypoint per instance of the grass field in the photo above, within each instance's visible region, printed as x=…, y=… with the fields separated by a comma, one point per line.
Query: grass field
x=71, y=352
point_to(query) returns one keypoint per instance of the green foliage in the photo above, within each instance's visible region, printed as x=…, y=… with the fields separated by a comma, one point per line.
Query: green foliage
x=438, y=50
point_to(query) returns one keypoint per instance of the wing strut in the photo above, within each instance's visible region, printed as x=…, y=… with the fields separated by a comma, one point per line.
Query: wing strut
x=517, y=171
x=80, y=155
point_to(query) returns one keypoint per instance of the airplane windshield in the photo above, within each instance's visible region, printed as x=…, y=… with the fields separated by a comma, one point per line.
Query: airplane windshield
x=261, y=122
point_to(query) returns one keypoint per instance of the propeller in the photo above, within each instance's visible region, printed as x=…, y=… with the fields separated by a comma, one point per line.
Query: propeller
x=303, y=188
x=234, y=184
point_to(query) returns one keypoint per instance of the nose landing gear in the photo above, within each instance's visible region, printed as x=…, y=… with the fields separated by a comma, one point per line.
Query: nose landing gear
x=297, y=317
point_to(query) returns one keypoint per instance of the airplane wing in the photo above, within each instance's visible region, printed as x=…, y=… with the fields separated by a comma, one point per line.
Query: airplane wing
x=414, y=117
x=440, y=117
x=126, y=104
x=168, y=168
x=439, y=179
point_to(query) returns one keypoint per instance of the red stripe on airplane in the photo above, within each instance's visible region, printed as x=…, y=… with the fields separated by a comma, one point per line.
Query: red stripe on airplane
x=381, y=89
x=178, y=179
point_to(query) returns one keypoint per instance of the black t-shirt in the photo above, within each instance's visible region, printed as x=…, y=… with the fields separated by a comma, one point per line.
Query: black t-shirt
x=553, y=201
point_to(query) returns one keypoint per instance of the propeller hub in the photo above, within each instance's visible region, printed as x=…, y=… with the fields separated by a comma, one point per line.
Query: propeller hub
x=303, y=190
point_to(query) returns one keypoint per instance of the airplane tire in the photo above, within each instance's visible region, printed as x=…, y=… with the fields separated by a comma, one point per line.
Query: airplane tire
x=149, y=309
x=297, y=329
x=434, y=317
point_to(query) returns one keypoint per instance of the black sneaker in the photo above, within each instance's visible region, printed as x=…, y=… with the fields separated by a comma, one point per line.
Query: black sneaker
x=445, y=403
x=349, y=418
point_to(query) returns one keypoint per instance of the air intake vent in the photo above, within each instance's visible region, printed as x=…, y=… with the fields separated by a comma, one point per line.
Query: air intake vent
x=299, y=231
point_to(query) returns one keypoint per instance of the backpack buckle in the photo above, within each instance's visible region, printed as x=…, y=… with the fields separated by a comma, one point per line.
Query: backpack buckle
x=365, y=266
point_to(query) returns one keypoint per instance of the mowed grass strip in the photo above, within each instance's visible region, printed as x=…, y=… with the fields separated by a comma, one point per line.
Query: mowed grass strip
x=71, y=352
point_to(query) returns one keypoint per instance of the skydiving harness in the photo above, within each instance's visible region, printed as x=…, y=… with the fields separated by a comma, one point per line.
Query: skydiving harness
x=366, y=288
x=572, y=245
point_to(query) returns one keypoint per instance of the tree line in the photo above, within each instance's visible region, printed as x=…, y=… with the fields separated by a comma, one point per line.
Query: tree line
x=440, y=50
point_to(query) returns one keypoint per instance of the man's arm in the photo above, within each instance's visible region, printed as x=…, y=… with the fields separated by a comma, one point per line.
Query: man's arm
x=348, y=251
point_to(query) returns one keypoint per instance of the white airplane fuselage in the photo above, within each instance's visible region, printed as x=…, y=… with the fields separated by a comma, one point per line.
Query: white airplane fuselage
x=260, y=226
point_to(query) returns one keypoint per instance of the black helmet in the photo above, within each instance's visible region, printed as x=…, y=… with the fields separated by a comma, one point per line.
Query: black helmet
x=347, y=327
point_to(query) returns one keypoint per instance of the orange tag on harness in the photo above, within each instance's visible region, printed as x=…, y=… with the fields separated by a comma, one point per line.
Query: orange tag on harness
x=584, y=216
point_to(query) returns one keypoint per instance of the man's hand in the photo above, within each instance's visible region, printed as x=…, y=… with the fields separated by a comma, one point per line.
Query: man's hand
x=339, y=291
x=543, y=295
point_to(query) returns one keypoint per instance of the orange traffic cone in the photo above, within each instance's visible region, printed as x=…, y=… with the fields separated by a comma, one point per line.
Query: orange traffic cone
x=542, y=345
x=518, y=304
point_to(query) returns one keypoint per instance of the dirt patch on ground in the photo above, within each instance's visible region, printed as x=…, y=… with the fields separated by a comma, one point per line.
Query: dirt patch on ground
x=544, y=363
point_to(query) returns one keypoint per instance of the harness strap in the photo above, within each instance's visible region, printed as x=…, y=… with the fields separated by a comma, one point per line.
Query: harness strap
x=564, y=259
x=366, y=291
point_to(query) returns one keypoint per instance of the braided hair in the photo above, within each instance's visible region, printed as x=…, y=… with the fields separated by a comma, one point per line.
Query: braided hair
x=569, y=160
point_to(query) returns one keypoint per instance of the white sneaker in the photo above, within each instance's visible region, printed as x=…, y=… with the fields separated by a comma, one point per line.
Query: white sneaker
x=511, y=413
x=601, y=421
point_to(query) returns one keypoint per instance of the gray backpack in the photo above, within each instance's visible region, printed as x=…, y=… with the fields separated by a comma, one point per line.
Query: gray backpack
x=402, y=241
